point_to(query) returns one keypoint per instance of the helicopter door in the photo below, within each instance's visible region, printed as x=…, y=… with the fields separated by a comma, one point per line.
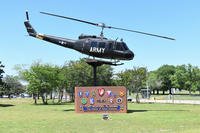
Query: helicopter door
x=110, y=46
x=102, y=47
x=92, y=46
x=86, y=45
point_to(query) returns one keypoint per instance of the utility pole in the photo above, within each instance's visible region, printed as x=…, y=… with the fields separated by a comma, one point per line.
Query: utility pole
x=147, y=83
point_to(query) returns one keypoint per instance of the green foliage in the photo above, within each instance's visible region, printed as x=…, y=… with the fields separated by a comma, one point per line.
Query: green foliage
x=49, y=80
x=186, y=77
x=45, y=79
x=134, y=79
x=153, y=82
x=164, y=74
x=81, y=74
x=12, y=86
x=179, y=79
x=42, y=79
x=1, y=72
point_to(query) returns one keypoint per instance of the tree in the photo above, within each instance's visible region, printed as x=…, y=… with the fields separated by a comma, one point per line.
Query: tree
x=138, y=81
x=193, y=78
x=153, y=82
x=1, y=81
x=164, y=74
x=124, y=79
x=12, y=86
x=186, y=77
x=134, y=79
x=1, y=72
x=45, y=79
x=179, y=78
x=40, y=79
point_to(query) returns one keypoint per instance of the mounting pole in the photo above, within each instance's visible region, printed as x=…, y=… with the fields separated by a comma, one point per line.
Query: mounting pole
x=95, y=74
x=94, y=63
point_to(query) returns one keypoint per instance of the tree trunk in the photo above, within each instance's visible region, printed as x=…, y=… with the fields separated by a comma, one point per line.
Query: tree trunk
x=46, y=99
x=43, y=99
x=9, y=96
x=35, y=98
x=60, y=96
x=157, y=92
x=170, y=91
x=163, y=92
x=137, y=98
x=51, y=95
x=38, y=96
x=153, y=92
x=190, y=91
x=53, y=99
x=72, y=94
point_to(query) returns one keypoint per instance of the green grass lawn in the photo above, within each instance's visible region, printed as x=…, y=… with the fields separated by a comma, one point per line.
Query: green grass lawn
x=21, y=116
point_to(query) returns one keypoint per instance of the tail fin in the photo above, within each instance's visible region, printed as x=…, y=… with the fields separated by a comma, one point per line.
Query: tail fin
x=31, y=31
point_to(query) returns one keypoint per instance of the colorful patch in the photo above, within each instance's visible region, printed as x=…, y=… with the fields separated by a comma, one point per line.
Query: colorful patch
x=80, y=93
x=111, y=101
x=121, y=93
x=93, y=94
x=109, y=93
x=87, y=93
x=92, y=101
x=119, y=100
x=84, y=101
x=101, y=91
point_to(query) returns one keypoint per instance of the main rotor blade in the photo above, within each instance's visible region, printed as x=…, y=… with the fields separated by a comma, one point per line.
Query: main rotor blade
x=141, y=32
x=83, y=21
x=105, y=26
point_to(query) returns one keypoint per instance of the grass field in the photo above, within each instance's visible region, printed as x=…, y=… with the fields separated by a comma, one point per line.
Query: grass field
x=21, y=116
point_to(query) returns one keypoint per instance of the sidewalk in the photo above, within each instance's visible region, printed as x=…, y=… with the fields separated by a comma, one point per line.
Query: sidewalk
x=170, y=101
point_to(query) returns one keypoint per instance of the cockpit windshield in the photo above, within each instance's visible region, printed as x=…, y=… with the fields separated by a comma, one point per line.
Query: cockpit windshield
x=124, y=45
x=121, y=46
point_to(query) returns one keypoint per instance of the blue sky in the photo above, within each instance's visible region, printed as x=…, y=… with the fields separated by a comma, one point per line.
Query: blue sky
x=174, y=18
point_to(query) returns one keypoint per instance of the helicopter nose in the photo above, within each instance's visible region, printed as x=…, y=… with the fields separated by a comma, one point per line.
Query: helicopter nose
x=129, y=55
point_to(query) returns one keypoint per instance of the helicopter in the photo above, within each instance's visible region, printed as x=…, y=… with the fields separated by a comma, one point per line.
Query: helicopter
x=92, y=45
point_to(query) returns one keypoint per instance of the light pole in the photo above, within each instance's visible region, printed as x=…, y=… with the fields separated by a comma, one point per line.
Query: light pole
x=147, y=83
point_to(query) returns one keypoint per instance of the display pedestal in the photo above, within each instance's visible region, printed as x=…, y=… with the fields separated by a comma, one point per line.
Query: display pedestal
x=94, y=63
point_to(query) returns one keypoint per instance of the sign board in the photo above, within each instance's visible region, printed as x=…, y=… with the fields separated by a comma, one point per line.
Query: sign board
x=101, y=99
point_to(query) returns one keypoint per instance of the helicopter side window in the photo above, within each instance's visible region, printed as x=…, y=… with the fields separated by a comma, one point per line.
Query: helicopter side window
x=101, y=44
x=119, y=47
x=110, y=45
x=93, y=44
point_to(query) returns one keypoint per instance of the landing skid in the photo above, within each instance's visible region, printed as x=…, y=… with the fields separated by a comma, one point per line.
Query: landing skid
x=99, y=62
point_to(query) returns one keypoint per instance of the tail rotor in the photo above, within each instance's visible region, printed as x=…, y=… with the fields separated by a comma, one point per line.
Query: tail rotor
x=27, y=16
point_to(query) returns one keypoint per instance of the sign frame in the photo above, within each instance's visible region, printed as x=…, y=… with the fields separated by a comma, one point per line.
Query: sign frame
x=101, y=99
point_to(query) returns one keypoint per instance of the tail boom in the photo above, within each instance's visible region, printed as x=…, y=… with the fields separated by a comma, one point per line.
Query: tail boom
x=64, y=42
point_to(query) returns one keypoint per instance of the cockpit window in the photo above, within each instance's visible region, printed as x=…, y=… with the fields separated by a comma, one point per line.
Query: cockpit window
x=124, y=45
x=119, y=47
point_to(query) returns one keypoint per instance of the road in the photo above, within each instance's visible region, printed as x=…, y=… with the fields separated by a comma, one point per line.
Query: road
x=170, y=101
